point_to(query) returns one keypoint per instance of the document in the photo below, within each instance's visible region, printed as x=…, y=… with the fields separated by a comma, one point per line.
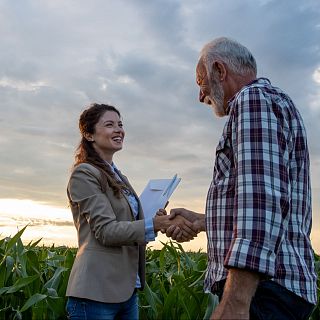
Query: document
x=156, y=195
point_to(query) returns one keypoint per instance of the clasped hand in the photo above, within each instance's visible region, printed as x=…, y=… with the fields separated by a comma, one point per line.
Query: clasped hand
x=181, y=225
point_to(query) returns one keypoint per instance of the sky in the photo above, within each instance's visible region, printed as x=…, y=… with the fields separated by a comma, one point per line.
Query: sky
x=57, y=57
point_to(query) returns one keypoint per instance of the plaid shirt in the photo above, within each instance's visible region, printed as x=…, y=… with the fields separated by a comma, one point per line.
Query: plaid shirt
x=258, y=211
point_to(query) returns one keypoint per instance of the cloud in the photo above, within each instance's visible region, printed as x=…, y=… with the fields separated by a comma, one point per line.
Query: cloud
x=56, y=57
x=42, y=222
x=316, y=75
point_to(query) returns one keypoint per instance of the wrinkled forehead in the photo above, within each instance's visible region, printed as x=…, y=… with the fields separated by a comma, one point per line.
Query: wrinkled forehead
x=201, y=71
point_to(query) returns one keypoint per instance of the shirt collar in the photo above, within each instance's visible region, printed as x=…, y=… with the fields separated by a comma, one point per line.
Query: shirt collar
x=260, y=81
x=112, y=166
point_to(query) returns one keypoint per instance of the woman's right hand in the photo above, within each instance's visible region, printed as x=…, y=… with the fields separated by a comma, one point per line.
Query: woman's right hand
x=161, y=212
x=182, y=227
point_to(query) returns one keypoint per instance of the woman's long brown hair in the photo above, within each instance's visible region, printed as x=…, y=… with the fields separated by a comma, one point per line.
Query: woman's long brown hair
x=86, y=153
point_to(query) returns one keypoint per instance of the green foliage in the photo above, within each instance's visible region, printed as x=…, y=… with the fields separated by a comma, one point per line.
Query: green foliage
x=33, y=282
x=174, y=288
x=316, y=312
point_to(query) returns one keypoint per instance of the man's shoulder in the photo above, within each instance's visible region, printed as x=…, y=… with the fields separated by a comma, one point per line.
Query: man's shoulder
x=256, y=85
x=253, y=96
x=259, y=89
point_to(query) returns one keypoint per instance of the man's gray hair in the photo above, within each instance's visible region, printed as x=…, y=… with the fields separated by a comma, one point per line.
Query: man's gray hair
x=236, y=56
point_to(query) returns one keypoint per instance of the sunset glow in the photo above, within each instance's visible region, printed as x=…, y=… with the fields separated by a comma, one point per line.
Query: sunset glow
x=54, y=225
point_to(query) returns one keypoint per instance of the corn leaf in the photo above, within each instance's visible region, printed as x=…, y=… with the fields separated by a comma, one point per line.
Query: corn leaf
x=14, y=240
x=9, y=267
x=54, y=281
x=151, y=298
x=213, y=301
x=33, y=300
x=22, y=282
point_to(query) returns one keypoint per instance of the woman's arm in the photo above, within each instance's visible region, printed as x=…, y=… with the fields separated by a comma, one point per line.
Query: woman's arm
x=95, y=206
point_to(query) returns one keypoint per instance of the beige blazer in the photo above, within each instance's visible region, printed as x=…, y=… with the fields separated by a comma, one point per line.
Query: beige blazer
x=111, y=242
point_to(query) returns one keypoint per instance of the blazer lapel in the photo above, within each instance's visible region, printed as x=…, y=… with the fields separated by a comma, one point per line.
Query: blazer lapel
x=126, y=181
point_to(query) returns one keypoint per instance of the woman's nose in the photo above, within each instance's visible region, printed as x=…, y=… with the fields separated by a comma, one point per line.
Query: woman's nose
x=201, y=96
x=118, y=129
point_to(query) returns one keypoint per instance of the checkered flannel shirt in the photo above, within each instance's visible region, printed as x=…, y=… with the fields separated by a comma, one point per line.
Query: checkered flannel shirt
x=258, y=211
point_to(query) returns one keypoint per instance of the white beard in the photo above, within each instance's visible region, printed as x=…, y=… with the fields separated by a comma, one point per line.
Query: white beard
x=216, y=99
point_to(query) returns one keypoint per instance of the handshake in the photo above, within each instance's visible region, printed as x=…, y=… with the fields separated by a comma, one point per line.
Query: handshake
x=181, y=225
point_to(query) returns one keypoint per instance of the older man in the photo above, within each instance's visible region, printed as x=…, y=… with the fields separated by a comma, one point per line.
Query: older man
x=258, y=210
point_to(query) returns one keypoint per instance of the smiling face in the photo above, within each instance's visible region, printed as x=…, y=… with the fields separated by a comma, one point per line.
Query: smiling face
x=108, y=135
x=211, y=92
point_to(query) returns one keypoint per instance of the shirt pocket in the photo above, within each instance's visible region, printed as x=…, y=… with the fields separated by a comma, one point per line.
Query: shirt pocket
x=224, y=168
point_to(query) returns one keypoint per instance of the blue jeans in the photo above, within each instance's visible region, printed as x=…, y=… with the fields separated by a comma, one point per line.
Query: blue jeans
x=84, y=309
x=274, y=302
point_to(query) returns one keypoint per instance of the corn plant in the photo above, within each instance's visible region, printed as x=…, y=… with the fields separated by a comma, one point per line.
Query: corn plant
x=316, y=312
x=33, y=280
x=174, y=284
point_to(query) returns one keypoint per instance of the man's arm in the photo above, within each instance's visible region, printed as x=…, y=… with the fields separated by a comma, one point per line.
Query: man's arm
x=262, y=186
x=198, y=219
x=239, y=289
x=260, y=201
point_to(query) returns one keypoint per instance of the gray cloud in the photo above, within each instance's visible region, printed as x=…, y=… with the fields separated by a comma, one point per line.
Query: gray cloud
x=56, y=57
x=42, y=222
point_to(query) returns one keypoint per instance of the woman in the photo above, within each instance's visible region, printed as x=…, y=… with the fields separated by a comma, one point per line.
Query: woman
x=112, y=231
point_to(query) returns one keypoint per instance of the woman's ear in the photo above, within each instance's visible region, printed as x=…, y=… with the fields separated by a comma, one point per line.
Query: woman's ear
x=88, y=137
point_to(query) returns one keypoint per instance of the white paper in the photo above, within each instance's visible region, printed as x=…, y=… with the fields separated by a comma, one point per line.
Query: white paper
x=156, y=194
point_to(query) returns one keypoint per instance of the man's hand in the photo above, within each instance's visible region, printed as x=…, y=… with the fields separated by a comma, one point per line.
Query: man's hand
x=239, y=289
x=184, y=227
x=197, y=219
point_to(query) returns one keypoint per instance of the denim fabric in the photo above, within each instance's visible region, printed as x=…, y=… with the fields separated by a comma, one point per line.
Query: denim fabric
x=84, y=309
x=274, y=302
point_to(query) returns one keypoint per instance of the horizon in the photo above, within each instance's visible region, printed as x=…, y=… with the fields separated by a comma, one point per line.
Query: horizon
x=51, y=228
x=57, y=57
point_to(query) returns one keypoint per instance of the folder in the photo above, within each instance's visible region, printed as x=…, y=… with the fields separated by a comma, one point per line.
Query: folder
x=156, y=195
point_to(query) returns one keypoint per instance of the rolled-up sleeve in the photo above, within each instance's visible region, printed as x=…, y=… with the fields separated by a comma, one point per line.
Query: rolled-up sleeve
x=259, y=140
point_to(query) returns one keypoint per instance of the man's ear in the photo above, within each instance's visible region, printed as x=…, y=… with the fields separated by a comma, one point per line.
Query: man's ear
x=88, y=136
x=220, y=69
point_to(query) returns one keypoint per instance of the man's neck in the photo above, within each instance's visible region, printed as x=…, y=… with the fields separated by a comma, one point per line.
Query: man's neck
x=241, y=81
x=235, y=83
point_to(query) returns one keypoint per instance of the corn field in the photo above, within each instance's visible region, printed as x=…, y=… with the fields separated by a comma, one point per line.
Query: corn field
x=33, y=281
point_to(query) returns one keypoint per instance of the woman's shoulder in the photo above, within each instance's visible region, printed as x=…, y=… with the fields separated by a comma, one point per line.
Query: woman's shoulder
x=86, y=168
